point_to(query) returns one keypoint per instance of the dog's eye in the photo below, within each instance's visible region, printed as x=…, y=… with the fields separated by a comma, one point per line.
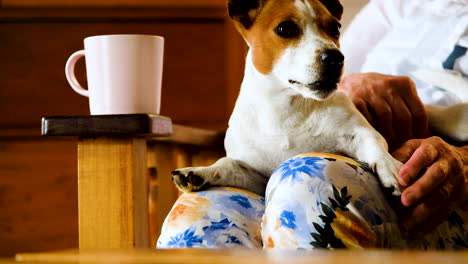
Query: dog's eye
x=334, y=30
x=287, y=29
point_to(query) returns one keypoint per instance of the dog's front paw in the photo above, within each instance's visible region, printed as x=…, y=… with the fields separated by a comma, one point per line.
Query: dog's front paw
x=387, y=170
x=188, y=179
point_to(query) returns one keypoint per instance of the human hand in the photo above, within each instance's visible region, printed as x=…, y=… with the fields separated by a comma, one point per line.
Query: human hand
x=435, y=175
x=390, y=104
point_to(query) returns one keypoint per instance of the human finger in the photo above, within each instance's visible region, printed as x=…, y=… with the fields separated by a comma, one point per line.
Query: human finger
x=423, y=156
x=417, y=110
x=433, y=210
x=402, y=121
x=384, y=121
x=363, y=109
x=420, y=125
x=424, y=218
x=405, y=151
x=433, y=177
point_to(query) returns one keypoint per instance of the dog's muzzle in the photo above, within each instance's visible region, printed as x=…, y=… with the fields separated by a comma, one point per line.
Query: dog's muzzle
x=332, y=61
x=331, y=65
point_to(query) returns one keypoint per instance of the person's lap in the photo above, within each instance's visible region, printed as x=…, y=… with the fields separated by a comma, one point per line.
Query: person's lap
x=312, y=201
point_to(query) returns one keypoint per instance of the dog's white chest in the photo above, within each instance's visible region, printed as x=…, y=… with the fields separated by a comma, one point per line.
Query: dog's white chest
x=267, y=142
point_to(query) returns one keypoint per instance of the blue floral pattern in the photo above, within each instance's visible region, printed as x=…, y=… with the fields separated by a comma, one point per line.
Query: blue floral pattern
x=288, y=219
x=314, y=200
x=293, y=168
x=241, y=200
x=185, y=239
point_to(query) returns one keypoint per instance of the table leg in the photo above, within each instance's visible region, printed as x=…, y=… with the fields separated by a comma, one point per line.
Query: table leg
x=112, y=193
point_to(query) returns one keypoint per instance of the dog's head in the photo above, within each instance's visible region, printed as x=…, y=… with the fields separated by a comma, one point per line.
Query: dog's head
x=295, y=41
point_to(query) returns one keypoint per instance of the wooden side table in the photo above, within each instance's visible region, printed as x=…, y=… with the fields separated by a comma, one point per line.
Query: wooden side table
x=113, y=175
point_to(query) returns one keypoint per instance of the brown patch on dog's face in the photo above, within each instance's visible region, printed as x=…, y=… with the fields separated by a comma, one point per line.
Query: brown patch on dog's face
x=267, y=46
x=328, y=26
x=295, y=42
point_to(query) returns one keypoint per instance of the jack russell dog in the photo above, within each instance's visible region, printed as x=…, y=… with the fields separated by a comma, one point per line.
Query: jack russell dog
x=287, y=103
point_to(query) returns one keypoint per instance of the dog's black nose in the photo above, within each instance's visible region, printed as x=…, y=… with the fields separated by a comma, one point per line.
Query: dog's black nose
x=332, y=57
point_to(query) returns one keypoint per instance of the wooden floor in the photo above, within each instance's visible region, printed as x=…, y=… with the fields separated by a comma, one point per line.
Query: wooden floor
x=176, y=256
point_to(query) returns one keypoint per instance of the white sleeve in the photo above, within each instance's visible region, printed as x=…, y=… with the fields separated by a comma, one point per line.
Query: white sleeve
x=368, y=27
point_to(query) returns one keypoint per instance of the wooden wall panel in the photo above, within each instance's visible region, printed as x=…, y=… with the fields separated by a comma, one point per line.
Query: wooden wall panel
x=38, y=195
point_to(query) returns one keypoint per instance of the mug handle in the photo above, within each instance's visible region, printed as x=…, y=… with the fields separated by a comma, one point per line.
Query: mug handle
x=70, y=73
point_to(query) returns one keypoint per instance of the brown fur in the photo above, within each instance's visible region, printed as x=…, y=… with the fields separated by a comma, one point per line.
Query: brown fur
x=267, y=47
x=324, y=20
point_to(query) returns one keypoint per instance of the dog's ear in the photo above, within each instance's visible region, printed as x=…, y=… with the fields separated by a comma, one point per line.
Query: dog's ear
x=244, y=11
x=334, y=7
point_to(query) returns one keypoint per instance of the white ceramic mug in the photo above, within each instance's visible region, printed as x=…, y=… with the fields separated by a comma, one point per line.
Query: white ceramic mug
x=124, y=73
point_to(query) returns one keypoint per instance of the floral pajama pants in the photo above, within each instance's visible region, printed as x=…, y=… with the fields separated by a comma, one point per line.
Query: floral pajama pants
x=314, y=200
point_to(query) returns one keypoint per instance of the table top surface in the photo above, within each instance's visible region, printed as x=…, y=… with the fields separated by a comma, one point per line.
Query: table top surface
x=176, y=256
x=152, y=127
x=107, y=125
